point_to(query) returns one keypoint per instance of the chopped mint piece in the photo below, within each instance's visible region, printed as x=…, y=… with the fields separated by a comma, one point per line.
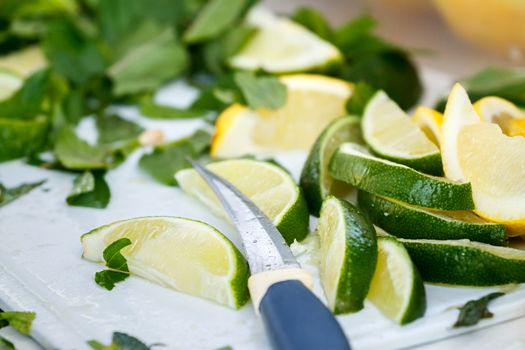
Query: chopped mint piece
x=19, y=320
x=118, y=266
x=7, y=195
x=121, y=341
x=261, y=92
x=474, y=310
x=76, y=154
x=89, y=190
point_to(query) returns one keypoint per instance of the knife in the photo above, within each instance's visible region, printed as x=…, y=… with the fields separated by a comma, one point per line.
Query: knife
x=294, y=318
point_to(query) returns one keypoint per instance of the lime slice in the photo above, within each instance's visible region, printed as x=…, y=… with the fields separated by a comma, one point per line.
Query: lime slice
x=22, y=137
x=390, y=133
x=313, y=101
x=348, y=253
x=352, y=164
x=397, y=289
x=316, y=182
x=270, y=187
x=9, y=83
x=24, y=62
x=183, y=254
x=429, y=121
x=408, y=221
x=283, y=46
x=466, y=263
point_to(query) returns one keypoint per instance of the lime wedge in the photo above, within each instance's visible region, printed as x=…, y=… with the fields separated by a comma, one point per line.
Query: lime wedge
x=390, y=133
x=348, y=253
x=316, y=181
x=183, y=254
x=283, y=46
x=9, y=83
x=408, y=221
x=397, y=289
x=466, y=263
x=270, y=187
x=352, y=164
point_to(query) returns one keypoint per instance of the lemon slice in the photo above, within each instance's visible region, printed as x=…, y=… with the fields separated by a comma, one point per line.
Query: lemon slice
x=491, y=161
x=459, y=112
x=313, y=102
x=183, y=254
x=390, y=133
x=429, y=121
x=497, y=110
x=270, y=187
x=283, y=46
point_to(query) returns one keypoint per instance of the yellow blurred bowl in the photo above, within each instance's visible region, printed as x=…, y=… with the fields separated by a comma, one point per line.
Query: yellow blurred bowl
x=498, y=25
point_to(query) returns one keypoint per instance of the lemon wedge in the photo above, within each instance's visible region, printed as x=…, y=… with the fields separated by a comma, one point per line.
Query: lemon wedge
x=313, y=102
x=497, y=110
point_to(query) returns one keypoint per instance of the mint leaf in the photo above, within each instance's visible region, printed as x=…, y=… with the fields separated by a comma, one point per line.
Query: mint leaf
x=216, y=53
x=151, y=109
x=19, y=320
x=6, y=344
x=166, y=160
x=361, y=94
x=89, y=190
x=121, y=341
x=314, y=21
x=149, y=65
x=213, y=19
x=116, y=262
x=73, y=53
x=261, y=92
x=508, y=83
x=108, y=278
x=76, y=154
x=7, y=195
x=113, y=129
x=22, y=137
x=27, y=102
x=473, y=311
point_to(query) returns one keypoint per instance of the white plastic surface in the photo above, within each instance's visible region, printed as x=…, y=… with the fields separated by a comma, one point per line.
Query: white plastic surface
x=41, y=269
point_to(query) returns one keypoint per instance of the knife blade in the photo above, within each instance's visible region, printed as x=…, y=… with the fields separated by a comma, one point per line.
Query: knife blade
x=294, y=318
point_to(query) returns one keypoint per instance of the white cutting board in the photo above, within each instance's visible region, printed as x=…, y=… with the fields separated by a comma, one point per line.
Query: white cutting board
x=41, y=269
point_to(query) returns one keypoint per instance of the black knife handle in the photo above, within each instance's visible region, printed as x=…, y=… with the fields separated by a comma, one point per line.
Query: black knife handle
x=295, y=319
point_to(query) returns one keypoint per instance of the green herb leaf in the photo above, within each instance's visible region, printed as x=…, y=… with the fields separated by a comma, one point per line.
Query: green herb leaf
x=22, y=137
x=113, y=129
x=121, y=341
x=391, y=71
x=361, y=94
x=151, y=109
x=116, y=262
x=19, y=320
x=216, y=53
x=73, y=53
x=166, y=160
x=149, y=65
x=76, y=154
x=314, y=21
x=6, y=344
x=227, y=347
x=214, y=18
x=508, y=83
x=7, y=195
x=473, y=311
x=261, y=92
x=89, y=190
x=108, y=278
x=27, y=102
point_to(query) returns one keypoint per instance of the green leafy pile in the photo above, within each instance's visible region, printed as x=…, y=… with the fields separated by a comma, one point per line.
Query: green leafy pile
x=106, y=52
x=19, y=320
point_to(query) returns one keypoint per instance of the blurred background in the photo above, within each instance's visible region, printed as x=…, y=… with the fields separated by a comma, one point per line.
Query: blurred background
x=455, y=36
